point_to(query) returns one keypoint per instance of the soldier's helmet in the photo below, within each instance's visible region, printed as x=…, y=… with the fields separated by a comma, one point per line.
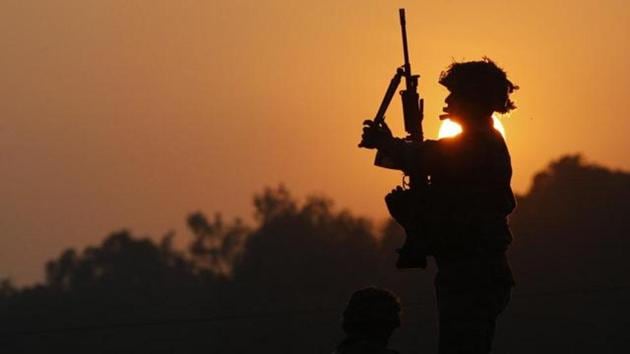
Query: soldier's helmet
x=371, y=312
x=481, y=81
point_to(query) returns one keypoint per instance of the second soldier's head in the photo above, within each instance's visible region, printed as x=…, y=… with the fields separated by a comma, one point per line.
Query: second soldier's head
x=371, y=314
x=477, y=89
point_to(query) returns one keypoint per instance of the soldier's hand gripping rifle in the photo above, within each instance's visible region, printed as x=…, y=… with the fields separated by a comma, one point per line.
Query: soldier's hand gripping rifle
x=402, y=202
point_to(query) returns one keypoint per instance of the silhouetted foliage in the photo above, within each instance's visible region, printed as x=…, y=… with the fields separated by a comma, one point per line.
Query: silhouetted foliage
x=273, y=204
x=570, y=260
x=215, y=245
x=280, y=285
x=308, y=251
x=7, y=288
x=121, y=262
x=575, y=216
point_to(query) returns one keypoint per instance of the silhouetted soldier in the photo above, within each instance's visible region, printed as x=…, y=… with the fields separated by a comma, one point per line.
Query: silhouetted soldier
x=468, y=201
x=369, y=319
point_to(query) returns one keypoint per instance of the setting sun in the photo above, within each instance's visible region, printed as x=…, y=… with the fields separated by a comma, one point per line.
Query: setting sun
x=450, y=128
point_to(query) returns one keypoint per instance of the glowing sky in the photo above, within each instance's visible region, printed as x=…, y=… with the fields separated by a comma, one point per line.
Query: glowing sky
x=132, y=114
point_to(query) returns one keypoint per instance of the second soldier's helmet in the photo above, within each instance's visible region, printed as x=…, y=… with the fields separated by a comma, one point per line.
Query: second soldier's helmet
x=371, y=312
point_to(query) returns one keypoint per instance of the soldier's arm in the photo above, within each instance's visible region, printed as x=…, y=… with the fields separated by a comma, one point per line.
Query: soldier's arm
x=411, y=155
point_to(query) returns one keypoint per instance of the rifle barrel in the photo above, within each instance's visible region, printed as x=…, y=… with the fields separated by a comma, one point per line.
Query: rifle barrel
x=403, y=27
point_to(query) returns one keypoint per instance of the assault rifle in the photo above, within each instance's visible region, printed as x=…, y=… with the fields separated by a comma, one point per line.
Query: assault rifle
x=406, y=199
x=413, y=106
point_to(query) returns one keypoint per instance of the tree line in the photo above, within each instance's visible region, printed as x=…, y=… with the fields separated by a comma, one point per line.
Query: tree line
x=280, y=284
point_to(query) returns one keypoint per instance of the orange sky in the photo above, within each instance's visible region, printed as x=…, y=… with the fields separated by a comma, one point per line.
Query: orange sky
x=133, y=114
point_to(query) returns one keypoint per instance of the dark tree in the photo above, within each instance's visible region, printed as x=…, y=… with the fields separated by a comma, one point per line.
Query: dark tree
x=570, y=261
x=281, y=284
x=215, y=245
x=307, y=252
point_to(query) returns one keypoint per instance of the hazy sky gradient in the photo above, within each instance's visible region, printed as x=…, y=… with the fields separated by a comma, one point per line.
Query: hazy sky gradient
x=132, y=114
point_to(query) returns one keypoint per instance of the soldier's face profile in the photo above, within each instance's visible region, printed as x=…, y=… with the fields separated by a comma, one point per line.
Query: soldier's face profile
x=454, y=105
x=462, y=108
